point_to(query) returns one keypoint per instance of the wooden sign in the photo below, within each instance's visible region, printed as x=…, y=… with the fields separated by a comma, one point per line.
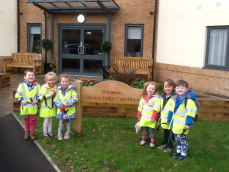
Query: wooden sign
x=111, y=92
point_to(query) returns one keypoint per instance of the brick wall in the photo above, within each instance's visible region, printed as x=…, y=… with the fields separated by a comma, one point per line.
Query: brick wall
x=207, y=80
x=131, y=12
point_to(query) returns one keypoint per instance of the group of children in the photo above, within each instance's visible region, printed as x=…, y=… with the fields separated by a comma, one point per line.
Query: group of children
x=55, y=101
x=175, y=111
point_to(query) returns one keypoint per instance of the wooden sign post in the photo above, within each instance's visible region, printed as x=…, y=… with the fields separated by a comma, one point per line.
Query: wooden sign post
x=78, y=121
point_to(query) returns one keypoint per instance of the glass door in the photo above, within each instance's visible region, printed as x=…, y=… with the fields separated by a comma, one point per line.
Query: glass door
x=79, y=49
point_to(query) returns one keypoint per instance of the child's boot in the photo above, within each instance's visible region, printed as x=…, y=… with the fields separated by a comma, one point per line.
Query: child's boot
x=32, y=135
x=26, y=136
x=143, y=142
x=152, y=143
x=60, y=137
x=66, y=136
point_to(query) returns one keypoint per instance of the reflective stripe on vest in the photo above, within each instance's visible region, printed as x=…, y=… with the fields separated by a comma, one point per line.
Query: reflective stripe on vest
x=28, y=108
x=179, y=121
x=44, y=107
x=146, y=116
x=25, y=97
x=147, y=111
x=62, y=98
x=169, y=106
x=179, y=118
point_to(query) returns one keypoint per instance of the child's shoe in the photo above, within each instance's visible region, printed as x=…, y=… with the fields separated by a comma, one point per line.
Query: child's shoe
x=66, y=137
x=174, y=154
x=152, y=145
x=162, y=146
x=26, y=136
x=143, y=142
x=167, y=149
x=181, y=158
x=45, y=135
x=60, y=137
x=51, y=135
x=32, y=135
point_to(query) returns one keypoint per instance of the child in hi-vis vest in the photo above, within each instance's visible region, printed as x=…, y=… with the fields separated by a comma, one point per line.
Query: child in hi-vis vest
x=48, y=107
x=167, y=103
x=182, y=118
x=148, y=109
x=28, y=95
x=65, y=100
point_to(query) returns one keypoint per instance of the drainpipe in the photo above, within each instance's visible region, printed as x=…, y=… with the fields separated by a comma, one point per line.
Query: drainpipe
x=109, y=38
x=18, y=27
x=52, y=35
x=46, y=53
x=45, y=24
x=154, y=34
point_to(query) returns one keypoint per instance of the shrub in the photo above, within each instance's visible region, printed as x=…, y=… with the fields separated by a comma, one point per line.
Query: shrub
x=122, y=74
x=139, y=84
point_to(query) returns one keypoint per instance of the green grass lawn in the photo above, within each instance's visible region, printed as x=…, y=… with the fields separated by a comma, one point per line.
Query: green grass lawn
x=111, y=144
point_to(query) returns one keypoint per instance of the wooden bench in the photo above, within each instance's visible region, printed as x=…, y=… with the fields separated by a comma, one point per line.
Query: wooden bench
x=140, y=64
x=24, y=60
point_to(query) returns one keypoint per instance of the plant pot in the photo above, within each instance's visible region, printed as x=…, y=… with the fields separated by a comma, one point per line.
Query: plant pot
x=47, y=67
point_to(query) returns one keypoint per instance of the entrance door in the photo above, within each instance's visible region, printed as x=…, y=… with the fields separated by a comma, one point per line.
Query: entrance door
x=79, y=49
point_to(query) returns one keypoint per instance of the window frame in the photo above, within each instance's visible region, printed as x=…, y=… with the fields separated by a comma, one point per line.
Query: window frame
x=126, y=37
x=210, y=66
x=29, y=25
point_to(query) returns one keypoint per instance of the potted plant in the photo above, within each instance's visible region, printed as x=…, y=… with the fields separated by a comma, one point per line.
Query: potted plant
x=47, y=45
x=106, y=47
x=53, y=66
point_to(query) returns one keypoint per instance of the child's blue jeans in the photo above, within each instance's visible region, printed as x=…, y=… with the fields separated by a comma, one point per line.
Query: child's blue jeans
x=181, y=144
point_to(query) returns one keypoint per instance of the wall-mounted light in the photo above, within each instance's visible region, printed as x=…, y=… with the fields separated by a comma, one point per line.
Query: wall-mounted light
x=80, y=18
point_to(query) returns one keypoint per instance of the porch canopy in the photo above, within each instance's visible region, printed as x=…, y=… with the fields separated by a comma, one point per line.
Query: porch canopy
x=76, y=6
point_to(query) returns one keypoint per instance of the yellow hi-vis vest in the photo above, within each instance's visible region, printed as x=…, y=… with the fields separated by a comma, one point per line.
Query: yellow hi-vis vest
x=179, y=118
x=169, y=106
x=71, y=94
x=47, y=110
x=147, y=109
x=23, y=91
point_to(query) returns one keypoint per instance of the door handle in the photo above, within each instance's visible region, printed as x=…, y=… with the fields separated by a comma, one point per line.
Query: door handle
x=81, y=49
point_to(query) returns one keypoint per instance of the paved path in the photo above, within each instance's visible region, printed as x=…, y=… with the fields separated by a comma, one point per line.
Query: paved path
x=17, y=154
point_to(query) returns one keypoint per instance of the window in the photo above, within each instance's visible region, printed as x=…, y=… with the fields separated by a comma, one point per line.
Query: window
x=134, y=40
x=34, y=38
x=217, y=55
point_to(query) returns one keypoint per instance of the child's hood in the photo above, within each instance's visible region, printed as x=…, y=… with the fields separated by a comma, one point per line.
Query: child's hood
x=71, y=86
x=34, y=83
x=190, y=95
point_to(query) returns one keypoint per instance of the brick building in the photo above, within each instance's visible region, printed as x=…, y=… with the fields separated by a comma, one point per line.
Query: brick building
x=129, y=25
x=182, y=48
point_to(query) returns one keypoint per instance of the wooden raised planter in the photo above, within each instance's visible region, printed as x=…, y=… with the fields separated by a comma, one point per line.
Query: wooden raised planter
x=4, y=79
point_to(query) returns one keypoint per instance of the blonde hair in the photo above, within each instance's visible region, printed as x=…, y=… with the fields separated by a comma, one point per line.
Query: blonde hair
x=147, y=84
x=65, y=76
x=50, y=74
